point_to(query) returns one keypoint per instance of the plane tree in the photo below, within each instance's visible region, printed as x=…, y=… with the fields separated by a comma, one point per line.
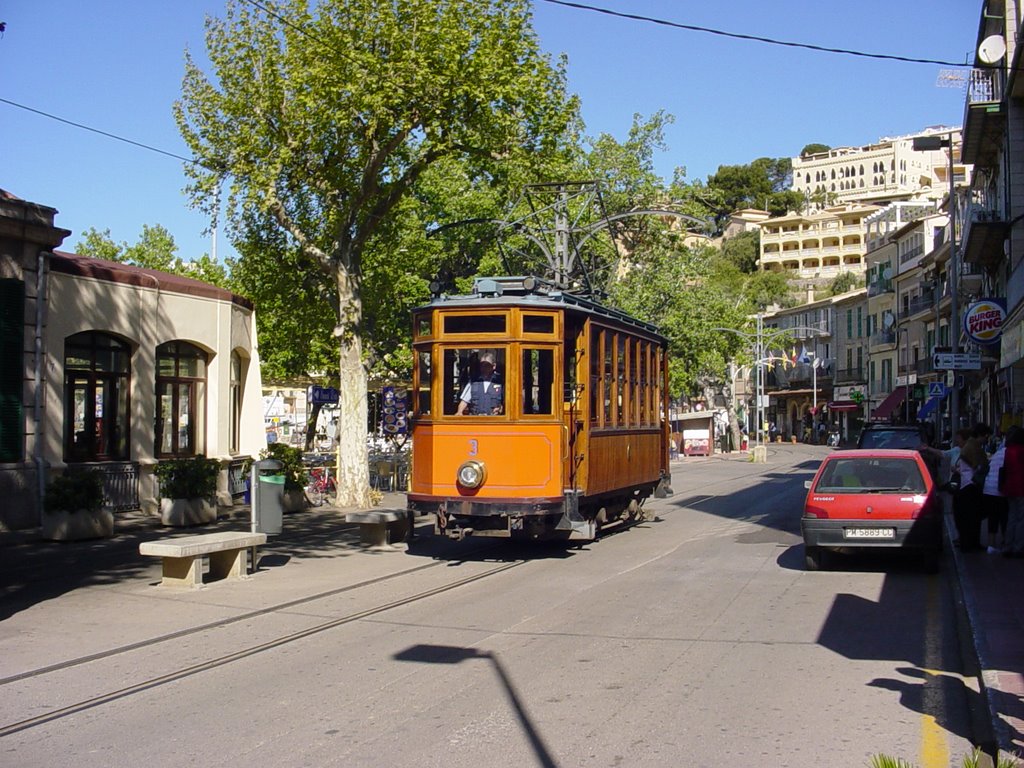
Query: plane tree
x=317, y=122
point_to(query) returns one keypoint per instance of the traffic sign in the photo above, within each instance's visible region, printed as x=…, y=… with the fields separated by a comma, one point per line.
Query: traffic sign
x=322, y=395
x=956, y=361
x=936, y=389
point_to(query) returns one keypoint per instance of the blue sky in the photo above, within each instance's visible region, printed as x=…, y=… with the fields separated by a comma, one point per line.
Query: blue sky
x=116, y=66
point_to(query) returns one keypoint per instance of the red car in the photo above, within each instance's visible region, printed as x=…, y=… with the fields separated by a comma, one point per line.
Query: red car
x=877, y=498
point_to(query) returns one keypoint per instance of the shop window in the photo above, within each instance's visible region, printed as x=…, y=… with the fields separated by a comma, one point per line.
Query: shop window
x=97, y=375
x=180, y=399
x=234, y=439
x=12, y=372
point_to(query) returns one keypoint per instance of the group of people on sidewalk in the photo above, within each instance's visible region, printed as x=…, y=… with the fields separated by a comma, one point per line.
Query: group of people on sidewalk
x=987, y=480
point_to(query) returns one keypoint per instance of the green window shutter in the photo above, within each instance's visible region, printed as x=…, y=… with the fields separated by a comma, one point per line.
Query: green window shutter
x=12, y=339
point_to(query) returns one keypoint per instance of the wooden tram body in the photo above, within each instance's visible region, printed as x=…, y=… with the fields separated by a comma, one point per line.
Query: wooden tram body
x=581, y=439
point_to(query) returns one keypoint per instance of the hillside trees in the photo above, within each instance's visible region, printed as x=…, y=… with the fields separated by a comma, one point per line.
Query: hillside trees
x=324, y=119
x=764, y=184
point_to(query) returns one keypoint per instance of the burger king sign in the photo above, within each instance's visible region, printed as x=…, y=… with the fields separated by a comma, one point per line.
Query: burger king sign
x=983, y=320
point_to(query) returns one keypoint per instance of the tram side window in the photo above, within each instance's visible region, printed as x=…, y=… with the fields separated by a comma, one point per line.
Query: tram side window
x=595, y=374
x=474, y=381
x=424, y=383
x=538, y=381
x=608, y=380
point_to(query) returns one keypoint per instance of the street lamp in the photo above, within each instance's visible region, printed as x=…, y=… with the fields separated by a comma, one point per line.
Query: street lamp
x=931, y=144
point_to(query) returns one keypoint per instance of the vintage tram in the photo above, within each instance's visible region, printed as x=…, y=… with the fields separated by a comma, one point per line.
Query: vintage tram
x=537, y=413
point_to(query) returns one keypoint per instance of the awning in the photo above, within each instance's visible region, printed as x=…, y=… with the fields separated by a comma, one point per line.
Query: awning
x=928, y=407
x=844, y=405
x=890, y=404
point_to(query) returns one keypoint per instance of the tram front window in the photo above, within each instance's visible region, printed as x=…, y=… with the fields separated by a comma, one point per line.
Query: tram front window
x=474, y=381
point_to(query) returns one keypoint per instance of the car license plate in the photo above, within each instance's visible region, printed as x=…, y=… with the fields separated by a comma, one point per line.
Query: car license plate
x=869, y=533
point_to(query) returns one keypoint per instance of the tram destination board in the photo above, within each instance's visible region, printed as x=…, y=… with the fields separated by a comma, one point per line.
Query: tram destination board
x=956, y=361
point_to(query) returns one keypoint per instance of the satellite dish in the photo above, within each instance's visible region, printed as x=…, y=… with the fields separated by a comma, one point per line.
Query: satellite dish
x=887, y=273
x=888, y=321
x=992, y=49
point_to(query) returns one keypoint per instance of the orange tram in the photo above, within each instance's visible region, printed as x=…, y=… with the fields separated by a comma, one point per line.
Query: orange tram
x=537, y=413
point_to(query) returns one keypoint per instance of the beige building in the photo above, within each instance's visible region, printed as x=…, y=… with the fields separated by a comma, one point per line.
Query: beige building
x=886, y=171
x=815, y=248
x=114, y=367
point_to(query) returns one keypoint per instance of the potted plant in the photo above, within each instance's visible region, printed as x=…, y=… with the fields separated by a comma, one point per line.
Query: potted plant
x=295, y=474
x=73, y=508
x=188, y=490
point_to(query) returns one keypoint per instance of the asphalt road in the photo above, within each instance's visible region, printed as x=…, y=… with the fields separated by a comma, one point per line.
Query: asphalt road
x=695, y=639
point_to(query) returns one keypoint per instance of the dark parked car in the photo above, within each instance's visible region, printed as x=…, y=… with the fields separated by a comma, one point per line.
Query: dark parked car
x=876, y=499
x=891, y=436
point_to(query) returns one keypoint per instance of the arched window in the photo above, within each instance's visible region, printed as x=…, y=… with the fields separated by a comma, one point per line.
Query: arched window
x=97, y=377
x=180, y=399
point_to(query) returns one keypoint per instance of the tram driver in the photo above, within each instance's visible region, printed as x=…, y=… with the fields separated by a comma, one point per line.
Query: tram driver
x=483, y=395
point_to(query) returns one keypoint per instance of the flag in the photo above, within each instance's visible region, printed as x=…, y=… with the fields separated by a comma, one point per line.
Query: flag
x=804, y=357
x=793, y=357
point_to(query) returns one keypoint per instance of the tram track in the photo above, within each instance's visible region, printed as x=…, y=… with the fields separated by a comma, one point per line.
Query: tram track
x=229, y=658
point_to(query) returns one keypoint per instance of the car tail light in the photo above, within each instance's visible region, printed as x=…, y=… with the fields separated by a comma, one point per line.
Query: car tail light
x=926, y=508
x=811, y=510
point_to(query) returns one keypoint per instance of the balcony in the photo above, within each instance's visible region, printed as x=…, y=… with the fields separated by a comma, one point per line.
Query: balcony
x=850, y=375
x=984, y=118
x=882, y=338
x=983, y=236
x=923, y=303
x=879, y=287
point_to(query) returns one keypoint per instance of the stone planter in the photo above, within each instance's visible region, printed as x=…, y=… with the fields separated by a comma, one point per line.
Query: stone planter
x=294, y=501
x=186, y=512
x=78, y=525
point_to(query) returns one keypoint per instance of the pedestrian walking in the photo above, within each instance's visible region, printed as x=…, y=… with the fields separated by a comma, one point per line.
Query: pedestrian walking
x=1013, y=490
x=993, y=503
x=971, y=467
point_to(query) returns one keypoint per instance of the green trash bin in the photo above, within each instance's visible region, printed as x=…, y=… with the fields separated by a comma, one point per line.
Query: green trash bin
x=267, y=497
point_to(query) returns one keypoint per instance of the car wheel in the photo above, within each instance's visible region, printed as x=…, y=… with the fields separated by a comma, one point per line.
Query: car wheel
x=813, y=557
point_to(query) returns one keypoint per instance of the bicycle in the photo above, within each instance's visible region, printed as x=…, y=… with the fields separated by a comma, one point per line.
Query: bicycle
x=321, y=484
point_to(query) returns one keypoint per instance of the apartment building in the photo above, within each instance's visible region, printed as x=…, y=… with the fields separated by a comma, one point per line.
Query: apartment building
x=989, y=216
x=814, y=248
x=886, y=171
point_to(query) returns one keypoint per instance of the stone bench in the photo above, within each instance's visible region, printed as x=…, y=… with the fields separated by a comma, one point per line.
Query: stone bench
x=183, y=555
x=379, y=527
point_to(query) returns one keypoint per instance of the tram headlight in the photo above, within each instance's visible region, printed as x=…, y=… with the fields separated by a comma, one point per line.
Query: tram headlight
x=471, y=474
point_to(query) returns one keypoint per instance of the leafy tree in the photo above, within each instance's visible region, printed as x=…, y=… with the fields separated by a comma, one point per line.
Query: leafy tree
x=814, y=149
x=743, y=250
x=843, y=283
x=155, y=249
x=326, y=117
x=765, y=183
x=764, y=289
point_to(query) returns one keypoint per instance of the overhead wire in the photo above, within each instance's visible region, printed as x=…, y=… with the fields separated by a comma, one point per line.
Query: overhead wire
x=753, y=38
x=566, y=3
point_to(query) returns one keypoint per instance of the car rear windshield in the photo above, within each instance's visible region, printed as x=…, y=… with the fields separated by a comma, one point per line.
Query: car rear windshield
x=890, y=438
x=855, y=475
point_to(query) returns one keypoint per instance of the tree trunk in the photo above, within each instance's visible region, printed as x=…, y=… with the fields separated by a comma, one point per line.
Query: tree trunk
x=353, y=463
x=311, y=420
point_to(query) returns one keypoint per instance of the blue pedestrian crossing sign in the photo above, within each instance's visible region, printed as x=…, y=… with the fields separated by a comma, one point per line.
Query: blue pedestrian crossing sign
x=936, y=389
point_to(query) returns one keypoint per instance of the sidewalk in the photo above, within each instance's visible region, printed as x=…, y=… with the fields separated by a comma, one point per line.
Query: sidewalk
x=992, y=588
x=40, y=583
